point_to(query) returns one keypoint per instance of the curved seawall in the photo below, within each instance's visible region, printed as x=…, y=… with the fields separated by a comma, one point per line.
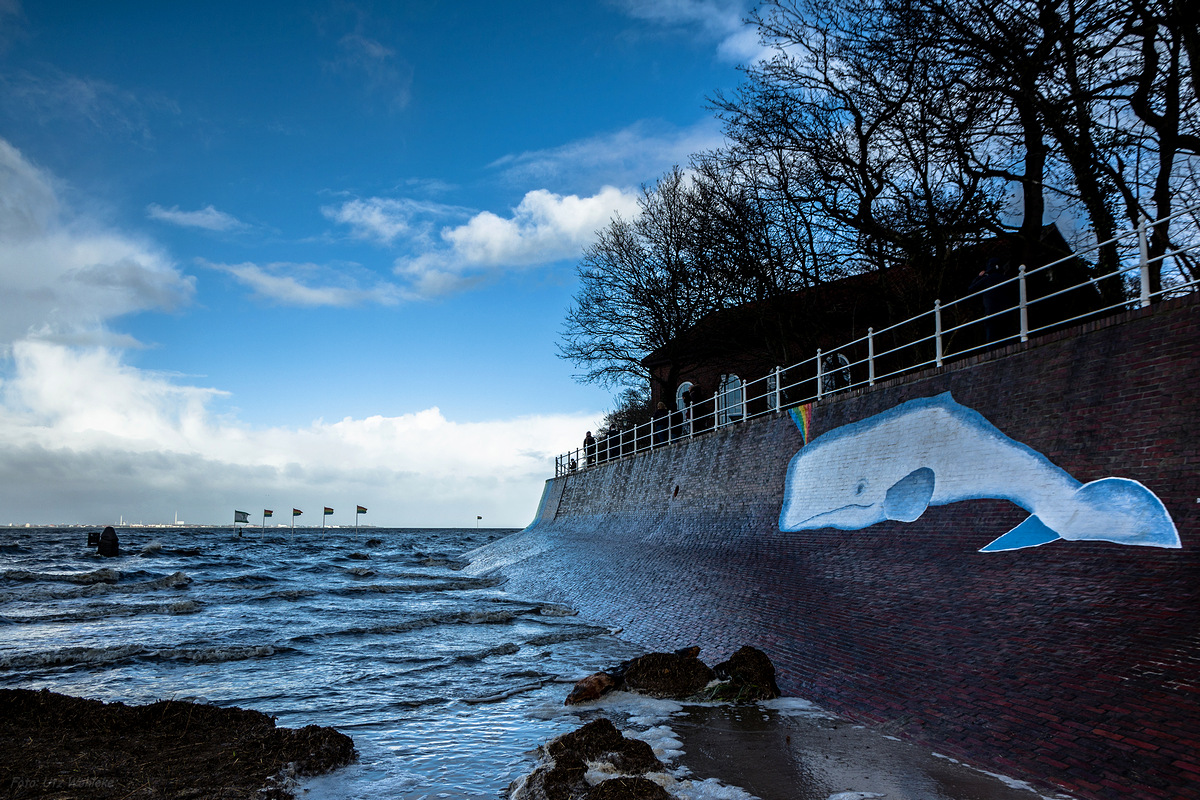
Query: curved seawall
x=1073, y=662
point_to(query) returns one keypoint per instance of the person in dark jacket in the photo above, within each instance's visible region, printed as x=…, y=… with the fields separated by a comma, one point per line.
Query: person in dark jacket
x=995, y=297
x=660, y=423
x=109, y=544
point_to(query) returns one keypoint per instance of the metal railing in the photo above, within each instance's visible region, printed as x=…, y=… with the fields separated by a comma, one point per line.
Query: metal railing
x=950, y=330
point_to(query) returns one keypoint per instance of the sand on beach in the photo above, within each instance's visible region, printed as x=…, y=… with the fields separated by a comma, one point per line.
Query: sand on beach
x=777, y=750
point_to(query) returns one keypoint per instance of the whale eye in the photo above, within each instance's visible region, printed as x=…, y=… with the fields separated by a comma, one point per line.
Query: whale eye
x=861, y=487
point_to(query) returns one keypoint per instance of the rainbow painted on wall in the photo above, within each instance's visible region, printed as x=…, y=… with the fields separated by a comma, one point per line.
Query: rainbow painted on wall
x=802, y=416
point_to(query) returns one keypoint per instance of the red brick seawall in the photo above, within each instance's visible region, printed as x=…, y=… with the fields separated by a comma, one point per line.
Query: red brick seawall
x=1073, y=664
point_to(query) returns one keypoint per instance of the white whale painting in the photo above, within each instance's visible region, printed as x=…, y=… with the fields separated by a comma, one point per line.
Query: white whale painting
x=933, y=451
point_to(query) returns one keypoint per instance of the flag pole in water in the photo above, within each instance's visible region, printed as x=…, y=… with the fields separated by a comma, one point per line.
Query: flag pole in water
x=477, y=518
x=328, y=511
x=266, y=513
x=358, y=510
x=295, y=513
x=241, y=517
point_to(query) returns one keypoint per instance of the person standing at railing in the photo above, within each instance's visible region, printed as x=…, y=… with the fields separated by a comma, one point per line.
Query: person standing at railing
x=661, y=420
x=589, y=448
x=990, y=282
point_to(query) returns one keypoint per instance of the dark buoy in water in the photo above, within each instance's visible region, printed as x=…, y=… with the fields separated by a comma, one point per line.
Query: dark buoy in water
x=109, y=544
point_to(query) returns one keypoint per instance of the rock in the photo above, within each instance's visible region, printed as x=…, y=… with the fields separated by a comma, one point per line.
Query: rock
x=667, y=674
x=109, y=545
x=561, y=777
x=374, y=542
x=627, y=789
x=750, y=675
x=591, y=688
x=359, y=556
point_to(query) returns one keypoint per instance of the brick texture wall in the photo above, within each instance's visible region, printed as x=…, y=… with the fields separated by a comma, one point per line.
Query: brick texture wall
x=1073, y=665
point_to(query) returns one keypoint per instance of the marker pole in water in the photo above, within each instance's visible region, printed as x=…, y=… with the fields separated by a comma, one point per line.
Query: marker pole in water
x=358, y=510
x=295, y=513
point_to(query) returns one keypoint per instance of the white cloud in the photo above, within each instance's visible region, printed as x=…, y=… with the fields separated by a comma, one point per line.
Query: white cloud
x=64, y=279
x=720, y=20
x=310, y=285
x=84, y=437
x=545, y=227
x=53, y=96
x=385, y=74
x=208, y=217
x=384, y=219
x=632, y=155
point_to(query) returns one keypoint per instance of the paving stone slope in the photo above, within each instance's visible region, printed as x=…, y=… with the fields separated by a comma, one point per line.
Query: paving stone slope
x=1074, y=665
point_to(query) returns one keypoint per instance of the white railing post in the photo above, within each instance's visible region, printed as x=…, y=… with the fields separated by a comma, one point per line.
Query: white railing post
x=820, y=376
x=1143, y=262
x=870, y=356
x=937, y=331
x=1024, y=304
x=778, y=380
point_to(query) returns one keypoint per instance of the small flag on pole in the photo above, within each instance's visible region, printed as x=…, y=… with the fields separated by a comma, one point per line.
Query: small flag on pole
x=358, y=510
x=267, y=512
x=361, y=510
x=296, y=512
x=241, y=516
x=328, y=511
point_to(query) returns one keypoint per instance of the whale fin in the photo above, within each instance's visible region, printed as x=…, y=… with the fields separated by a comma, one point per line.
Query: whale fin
x=1029, y=533
x=1122, y=511
x=908, y=497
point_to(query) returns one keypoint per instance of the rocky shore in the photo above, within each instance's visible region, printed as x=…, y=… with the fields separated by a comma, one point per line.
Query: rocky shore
x=55, y=746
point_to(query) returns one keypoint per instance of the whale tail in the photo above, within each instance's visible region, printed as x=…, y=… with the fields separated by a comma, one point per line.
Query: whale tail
x=1117, y=510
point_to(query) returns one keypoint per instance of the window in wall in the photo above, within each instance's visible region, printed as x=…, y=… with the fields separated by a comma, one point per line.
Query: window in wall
x=685, y=412
x=730, y=399
x=835, y=372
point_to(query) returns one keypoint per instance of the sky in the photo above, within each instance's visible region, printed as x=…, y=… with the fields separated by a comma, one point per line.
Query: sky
x=281, y=255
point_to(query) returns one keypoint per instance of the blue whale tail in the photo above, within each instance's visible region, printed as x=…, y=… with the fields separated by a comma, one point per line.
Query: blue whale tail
x=1117, y=510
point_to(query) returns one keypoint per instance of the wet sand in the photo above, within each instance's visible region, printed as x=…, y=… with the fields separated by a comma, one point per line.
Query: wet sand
x=775, y=755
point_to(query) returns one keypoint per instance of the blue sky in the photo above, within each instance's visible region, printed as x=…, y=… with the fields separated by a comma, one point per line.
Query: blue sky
x=302, y=254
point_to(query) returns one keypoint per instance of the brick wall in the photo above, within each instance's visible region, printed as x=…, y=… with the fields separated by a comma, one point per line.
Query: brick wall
x=1073, y=665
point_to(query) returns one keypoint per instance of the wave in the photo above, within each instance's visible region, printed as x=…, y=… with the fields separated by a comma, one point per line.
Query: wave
x=107, y=656
x=247, y=578
x=465, y=584
x=504, y=695
x=581, y=632
x=285, y=594
x=104, y=575
x=454, y=618
x=91, y=613
x=176, y=580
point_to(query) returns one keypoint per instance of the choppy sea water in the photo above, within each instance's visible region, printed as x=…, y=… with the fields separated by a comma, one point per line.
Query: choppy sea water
x=446, y=683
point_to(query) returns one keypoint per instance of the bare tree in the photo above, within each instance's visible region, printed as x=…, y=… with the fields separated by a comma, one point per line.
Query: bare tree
x=640, y=288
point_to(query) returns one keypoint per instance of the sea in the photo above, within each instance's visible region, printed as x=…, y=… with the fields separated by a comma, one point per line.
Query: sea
x=446, y=683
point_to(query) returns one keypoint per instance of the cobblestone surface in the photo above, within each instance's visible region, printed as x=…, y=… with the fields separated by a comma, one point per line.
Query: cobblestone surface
x=1073, y=665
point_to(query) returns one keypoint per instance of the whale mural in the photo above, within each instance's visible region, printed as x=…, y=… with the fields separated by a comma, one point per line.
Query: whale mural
x=934, y=451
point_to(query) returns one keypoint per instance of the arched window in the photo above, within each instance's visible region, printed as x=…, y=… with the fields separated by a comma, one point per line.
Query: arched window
x=684, y=408
x=835, y=372
x=729, y=399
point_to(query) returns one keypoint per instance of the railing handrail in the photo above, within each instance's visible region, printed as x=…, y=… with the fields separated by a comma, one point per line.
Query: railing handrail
x=682, y=423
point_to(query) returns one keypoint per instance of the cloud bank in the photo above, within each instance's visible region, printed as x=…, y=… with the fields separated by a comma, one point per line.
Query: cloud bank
x=86, y=437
